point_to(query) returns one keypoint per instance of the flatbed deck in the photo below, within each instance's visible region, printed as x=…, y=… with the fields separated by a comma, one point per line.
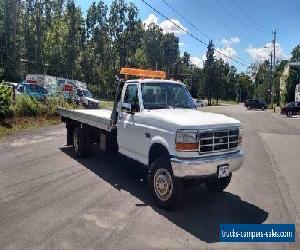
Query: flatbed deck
x=99, y=118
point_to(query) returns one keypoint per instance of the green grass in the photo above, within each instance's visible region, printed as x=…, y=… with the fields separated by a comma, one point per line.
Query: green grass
x=106, y=104
x=16, y=124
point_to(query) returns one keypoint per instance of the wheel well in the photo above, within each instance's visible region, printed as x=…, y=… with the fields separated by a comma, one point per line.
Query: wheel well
x=157, y=150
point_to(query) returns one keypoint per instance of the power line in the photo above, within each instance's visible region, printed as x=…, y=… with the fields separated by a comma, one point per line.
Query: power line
x=237, y=18
x=254, y=21
x=190, y=34
x=248, y=16
x=183, y=17
x=220, y=21
x=189, y=22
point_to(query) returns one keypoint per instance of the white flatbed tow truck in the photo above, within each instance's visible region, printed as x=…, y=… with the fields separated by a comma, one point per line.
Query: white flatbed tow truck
x=156, y=123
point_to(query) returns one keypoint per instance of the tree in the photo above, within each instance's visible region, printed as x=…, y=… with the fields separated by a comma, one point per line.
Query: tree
x=54, y=37
x=170, y=46
x=262, y=82
x=73, y=39
x=294, y=76
x=152, y=43
x=11, y=40
x=210, y=72
x=117, y=19
x=56, y=47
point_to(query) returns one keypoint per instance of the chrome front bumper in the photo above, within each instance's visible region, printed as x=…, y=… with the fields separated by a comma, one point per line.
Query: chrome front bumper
x=205, y=166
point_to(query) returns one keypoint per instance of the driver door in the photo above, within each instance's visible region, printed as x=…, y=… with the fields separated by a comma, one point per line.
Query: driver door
x=129, y=129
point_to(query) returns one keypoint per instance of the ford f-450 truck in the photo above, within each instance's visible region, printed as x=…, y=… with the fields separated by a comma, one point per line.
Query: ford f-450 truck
x=156, y=123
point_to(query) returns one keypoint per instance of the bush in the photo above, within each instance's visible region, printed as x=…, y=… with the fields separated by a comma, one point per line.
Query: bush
x=26, y=106
x=53, y=103
x=5, y=100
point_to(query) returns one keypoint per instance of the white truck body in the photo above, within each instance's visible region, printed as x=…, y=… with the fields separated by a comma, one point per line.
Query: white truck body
x=138, y=132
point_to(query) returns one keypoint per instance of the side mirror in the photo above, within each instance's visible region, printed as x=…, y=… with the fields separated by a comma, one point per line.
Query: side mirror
x=130, y=108
x=126, y=107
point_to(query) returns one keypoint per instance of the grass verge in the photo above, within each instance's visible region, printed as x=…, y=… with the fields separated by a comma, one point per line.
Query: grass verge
x=106, y=104
x=15, y=124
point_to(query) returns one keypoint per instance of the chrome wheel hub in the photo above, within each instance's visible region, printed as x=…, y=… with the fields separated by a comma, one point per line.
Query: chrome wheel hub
x=163, y=184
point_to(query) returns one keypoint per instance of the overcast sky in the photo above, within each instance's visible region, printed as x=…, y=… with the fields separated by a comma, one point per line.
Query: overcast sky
x=241, y=29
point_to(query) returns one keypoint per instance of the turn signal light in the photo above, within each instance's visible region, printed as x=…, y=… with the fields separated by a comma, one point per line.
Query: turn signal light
x=187, y=146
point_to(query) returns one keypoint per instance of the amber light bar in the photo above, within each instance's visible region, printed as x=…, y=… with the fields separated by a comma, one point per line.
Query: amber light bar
x=143, y=73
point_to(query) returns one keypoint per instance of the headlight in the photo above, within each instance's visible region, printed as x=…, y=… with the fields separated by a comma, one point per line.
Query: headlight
x=186, y=136
x=186, y=140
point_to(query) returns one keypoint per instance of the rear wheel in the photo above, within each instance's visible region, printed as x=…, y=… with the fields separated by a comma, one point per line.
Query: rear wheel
x=216, y=184
x=289, y=114
x=79, y=142
x=165, y=188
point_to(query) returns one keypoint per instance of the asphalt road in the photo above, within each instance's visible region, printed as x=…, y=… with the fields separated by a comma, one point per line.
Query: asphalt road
x=50, y=200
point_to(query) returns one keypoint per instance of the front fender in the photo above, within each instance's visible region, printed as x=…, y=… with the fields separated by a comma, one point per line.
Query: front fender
x=162, y=141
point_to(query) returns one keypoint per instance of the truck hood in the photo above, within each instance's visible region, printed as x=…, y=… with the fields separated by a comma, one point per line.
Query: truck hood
x=190, y=118
x=91, y=99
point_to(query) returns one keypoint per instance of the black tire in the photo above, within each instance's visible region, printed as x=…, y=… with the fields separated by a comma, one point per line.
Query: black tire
x=79, y=142
x=69, y=137
x=289, y=114
x=218, y=185
x=165, y=188
x=263, y=108
x=87, y=143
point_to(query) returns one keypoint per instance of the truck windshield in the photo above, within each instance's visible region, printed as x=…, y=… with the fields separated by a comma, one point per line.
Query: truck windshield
x=32, y=88
x=87, y=93
x=158, y=95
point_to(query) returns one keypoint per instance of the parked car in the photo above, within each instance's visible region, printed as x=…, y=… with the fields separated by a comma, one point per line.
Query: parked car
x=293, y=108
x=198, y=103
x=255, y=104
x=85, y=97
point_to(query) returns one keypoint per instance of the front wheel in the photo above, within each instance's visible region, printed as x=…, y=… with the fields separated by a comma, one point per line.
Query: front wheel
x=165, y=188
x=216, y=184
x=289, y=114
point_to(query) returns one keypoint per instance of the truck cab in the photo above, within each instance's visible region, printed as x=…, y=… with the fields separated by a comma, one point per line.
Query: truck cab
x=85, y=97
x=157, y=124
x=33, y=90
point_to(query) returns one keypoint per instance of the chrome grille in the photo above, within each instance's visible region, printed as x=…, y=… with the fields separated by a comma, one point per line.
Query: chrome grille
x=219, y=140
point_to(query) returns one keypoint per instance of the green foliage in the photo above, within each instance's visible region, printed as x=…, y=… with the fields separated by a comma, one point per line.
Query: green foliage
x=1, y=73
x=28, y=106
x=56, y=38
x=292, y=81
x=210, y=72
x=296, y=54
x=5, y=100
x=293, y=78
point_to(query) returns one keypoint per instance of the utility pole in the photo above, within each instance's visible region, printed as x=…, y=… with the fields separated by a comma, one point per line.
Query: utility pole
x=271, y=75
x=274, y=65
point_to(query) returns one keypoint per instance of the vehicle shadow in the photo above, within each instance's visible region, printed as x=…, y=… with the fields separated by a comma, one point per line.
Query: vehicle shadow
x=200, y=212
